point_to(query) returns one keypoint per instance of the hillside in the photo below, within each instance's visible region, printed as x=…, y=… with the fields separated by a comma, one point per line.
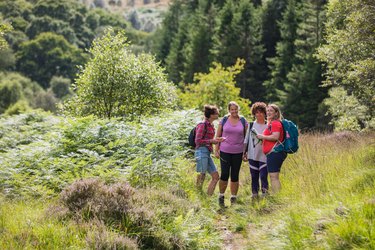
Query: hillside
x=144, y=15
x=87, y=183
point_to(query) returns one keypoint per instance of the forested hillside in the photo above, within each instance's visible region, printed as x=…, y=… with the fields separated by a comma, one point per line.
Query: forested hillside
x=95, y=115
x=291, y=50
x=279, y=40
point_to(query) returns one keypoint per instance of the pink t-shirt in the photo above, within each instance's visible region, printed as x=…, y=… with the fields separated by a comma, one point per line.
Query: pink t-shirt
x=234, y=135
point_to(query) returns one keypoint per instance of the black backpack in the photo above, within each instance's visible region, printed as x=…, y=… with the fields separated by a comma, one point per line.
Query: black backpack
x=192, y=135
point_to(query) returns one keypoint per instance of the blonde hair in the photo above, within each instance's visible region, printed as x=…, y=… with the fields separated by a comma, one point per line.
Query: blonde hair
x=233, y=103
x=279, y=116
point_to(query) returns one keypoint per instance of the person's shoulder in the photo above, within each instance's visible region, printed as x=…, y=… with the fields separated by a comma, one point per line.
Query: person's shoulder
x=244, y=120
x=276, y=124
x=223, y=120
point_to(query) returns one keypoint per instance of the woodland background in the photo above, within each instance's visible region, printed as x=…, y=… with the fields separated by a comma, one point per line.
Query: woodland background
x=97, y=99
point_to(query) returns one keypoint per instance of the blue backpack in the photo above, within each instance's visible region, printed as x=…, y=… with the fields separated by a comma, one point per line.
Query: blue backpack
x=290, y=143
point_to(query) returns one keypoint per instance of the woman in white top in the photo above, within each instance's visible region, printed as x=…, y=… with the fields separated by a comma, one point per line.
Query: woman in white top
x=253, y=151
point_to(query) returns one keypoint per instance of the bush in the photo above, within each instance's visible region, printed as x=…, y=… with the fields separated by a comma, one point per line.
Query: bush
x=216, y=87
x=60, y=86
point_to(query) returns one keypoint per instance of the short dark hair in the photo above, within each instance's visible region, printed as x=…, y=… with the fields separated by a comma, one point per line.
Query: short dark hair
x=261, y=106
x=209, y=110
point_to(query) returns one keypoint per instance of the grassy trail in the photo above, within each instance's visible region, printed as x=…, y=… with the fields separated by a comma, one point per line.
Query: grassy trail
x=327, y=200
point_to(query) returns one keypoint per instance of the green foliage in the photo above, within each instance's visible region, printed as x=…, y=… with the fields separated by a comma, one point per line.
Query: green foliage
x=216, y=87
x=285, y=51
x=3, y=29
x=7, y=59
x=60, y=151
x=118, y=83
x=348, y=52
x=16, y=88
x=347, y=112
x=47, y=55
x=60, y=86
x=9, y=94
x=42, y=154
x=19, y=107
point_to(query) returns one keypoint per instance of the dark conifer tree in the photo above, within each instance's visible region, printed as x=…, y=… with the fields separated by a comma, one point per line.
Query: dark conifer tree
x=285, y=54
x=251, y=78
x=303, y=92
x=166, y=34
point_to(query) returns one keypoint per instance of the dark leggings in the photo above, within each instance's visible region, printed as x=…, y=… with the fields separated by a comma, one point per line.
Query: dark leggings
x=258, y=168
x=230, y=163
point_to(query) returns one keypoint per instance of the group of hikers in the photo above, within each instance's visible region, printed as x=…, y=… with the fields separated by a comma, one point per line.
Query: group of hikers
x=235, y=141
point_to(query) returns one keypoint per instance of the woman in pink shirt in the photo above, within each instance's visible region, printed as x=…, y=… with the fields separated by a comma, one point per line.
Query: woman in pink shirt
x=272, y=136
x=230, y=151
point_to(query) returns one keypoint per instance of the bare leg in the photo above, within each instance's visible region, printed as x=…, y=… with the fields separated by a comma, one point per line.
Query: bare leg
x=212, y=185
x=223, y=186
x=234, y=187
x=200, y=180
x=275, y=182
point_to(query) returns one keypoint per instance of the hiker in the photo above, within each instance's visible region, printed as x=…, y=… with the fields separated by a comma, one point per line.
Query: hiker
x=272, y=136
x=204, y=138
x=232, y=127
x=253, y=150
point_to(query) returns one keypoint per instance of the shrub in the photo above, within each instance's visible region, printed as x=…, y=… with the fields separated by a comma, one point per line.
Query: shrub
x=118, y=83
x=216, y=87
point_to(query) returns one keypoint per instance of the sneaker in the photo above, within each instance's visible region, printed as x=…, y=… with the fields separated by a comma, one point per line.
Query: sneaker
x=264, y=193
x=233, y=200
x=254, y=197
x=221, y=201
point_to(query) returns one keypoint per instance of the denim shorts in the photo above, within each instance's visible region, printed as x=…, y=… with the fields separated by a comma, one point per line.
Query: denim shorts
x=204, y=161
x=274, y=161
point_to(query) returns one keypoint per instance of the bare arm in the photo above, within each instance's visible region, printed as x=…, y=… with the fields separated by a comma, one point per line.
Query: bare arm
x=218, y=134
x=274, y=137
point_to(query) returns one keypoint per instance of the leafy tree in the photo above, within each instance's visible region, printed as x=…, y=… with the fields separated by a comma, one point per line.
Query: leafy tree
x=347, y=112
x=16, y=12
x=9, y=94
x=60, y=86
x=7, y=59
x=349, y=50
x=19, y=93
x=216, y=87
x=3, y=29
x=47, y=55
x=117, y=83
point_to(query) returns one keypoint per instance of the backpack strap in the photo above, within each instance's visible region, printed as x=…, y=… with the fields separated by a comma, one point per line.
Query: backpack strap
x=242, y=119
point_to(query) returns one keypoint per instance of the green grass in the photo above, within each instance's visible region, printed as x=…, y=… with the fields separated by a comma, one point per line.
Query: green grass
x=327, y=199
x=24, y=225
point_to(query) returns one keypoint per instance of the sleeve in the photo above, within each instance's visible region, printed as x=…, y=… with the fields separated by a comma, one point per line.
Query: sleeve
x=199, y=133
x=276, y=127
x=246, y=140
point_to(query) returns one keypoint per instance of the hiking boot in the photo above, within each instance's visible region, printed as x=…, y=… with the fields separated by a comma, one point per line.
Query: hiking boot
x=254, y=197
x=233, y=200
x=264, y=193
x=221, y=201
